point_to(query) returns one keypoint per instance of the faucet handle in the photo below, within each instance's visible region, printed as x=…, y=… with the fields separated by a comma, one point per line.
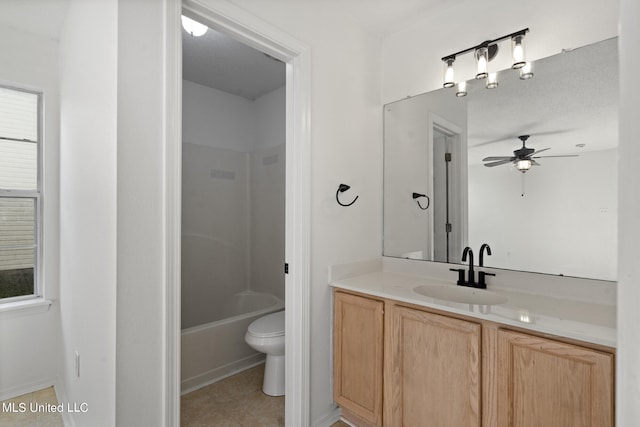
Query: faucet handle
x=460, y=271
x=481, y=279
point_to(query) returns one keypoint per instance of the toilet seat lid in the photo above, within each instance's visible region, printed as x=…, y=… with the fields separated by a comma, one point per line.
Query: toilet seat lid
x=268, y=326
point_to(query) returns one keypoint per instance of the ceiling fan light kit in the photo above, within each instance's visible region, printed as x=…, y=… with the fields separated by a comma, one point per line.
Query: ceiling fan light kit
x=522, y=159
x=484, y=53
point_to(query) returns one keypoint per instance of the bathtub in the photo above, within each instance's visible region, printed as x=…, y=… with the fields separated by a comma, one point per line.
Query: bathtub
x=215, y=350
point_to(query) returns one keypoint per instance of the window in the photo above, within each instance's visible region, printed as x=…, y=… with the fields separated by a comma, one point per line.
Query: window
x=20, y=193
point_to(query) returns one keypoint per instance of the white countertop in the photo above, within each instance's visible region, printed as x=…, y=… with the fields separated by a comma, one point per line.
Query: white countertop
x=587, y=321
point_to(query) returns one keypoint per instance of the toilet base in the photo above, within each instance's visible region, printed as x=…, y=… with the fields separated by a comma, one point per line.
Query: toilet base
x=273, y=383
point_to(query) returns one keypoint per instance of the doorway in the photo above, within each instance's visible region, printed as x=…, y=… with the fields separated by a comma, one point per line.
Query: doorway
x=447, y=184
x=246, y=28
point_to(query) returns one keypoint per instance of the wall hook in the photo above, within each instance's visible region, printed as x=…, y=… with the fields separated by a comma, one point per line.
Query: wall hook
x=417, y=195
x=341, y=189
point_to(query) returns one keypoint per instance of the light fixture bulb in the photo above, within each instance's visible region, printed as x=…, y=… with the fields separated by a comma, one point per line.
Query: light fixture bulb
x=517, y=50
x=462, y=89
x=448, y=73
x=523, y=165
x=525, y=72
x=482, y=56
x=192, y=27
x=492, y=81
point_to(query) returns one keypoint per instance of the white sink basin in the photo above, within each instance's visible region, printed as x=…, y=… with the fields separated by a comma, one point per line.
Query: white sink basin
x=461, y=294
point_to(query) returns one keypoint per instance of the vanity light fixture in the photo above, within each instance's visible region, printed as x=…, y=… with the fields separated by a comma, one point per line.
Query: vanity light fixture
x=525, y=72
x=484, y=53
x=517, y=51
x=192, y=27
x=462, y=89
x=448, y=73
x=492, y=81
x=482, y=59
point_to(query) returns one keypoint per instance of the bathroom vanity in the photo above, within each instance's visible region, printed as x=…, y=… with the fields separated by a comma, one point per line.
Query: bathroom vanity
x=525, y=359
x=537, y=347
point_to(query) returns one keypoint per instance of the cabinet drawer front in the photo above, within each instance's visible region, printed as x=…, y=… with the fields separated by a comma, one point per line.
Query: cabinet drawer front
x=358, y=335
x=542, y=382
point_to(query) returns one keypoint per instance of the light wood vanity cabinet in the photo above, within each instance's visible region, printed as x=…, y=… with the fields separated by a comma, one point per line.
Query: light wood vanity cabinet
x=544, y=382
x=400, y=365
x=357, y=357
x=432, y=369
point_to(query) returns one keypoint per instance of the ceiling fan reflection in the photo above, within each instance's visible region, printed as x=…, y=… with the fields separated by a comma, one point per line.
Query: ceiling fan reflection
x=523, y=158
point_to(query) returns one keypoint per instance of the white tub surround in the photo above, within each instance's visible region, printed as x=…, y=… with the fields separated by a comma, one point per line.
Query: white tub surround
x=579, y=309
x=216, y=350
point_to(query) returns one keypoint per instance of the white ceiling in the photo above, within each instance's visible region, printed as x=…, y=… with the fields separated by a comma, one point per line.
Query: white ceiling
x=219, y=61
x=383, y=17
x=42, y=17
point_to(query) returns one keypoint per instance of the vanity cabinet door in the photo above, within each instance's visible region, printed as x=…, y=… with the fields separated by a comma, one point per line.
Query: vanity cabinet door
x=542, y=382
x=432, y=370
x=358, y=352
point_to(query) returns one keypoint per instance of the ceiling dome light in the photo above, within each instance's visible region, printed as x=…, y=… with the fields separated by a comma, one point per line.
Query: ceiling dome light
x=192, y=27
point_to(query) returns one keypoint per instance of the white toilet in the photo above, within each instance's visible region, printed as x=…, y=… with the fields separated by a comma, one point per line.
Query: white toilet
x=266, y=335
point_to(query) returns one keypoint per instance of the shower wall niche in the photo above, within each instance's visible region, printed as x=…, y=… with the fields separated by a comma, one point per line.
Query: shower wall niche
x=233, y=199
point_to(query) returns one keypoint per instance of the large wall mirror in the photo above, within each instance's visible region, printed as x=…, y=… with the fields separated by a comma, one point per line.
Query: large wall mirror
x=451, y=180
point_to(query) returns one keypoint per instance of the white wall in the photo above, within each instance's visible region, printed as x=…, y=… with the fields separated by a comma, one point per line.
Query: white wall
x=628, y=354
x=579, y=196
x=346, y=131
x=29, y=342
x=88, y=87
x=217, y=119
x=143, y=247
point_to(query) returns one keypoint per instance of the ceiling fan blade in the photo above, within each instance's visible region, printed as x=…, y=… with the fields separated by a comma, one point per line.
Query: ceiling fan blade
x=546, y=157
x=498, y=163
x=493, y=158
x=534, y=163
x=540, y=151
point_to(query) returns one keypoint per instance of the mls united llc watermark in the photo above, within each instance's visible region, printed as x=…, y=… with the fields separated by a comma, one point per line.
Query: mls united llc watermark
x=22, y=407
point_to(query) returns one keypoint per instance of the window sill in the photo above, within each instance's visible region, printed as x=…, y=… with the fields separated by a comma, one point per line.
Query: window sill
x=25, y=307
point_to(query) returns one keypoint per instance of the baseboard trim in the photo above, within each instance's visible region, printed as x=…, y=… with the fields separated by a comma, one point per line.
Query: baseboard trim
x=19, y=390
x=328, y=419
x=214, y=375
x=61, y=396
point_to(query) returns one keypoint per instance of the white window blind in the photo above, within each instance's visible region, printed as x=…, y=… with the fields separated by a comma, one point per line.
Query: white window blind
x=19, y=193
x=18, y=140
x=17, y=112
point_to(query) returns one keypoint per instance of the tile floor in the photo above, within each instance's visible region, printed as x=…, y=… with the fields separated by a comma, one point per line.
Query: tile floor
x=30, y=418
x=237, y=401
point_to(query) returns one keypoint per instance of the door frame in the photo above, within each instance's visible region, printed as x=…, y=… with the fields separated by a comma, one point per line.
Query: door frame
x=459, y=205
x=250, y=30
